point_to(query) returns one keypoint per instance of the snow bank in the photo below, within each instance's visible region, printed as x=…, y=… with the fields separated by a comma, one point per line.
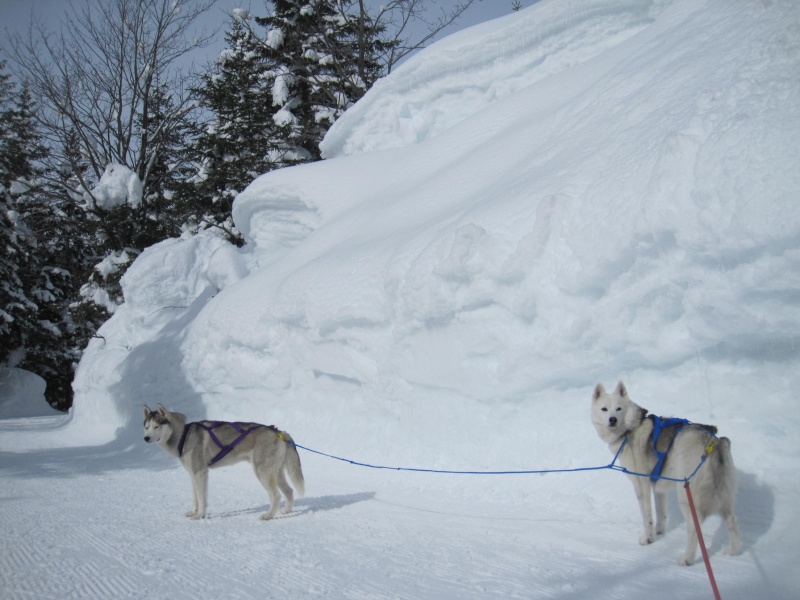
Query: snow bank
x=132, y=360
x=610, y=192
x=22, y=395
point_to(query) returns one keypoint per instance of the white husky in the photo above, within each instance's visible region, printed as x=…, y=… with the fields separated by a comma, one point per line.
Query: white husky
x=209, y=444
x=679, y=449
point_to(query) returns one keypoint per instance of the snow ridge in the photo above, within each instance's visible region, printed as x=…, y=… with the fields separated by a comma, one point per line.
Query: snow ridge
x=454, y=79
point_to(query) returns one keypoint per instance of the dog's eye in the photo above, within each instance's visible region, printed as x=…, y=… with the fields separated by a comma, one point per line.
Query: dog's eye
x=604, y=409
x=619, y=408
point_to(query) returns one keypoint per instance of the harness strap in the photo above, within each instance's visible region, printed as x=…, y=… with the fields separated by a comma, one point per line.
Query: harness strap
x=182, y=441
x=210, y=427
x=659, y=423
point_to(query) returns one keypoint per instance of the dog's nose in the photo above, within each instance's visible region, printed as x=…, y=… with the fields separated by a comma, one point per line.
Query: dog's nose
x=147, y=438
x=612, y=421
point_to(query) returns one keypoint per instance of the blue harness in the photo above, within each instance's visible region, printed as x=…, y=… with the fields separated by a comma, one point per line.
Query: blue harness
x=659, y=423
x=210, y=426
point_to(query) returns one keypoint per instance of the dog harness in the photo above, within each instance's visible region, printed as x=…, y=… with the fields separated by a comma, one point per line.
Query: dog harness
x=210, y=426
x=659, y=423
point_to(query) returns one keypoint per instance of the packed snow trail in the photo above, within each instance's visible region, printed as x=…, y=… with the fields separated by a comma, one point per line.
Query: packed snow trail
x=358, y=534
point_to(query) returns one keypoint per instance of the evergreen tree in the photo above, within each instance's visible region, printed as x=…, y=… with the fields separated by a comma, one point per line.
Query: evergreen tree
x=237, y=143
x=159, y=216
x=102, y=87
x=324, y=60
x=33, y=291
x=20, y=148
x=15, y=308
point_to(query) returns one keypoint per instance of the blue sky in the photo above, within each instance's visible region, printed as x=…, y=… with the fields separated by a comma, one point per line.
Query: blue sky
x=15, y=14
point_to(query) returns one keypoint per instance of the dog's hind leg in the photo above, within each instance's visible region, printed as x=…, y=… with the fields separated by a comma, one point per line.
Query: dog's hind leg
x=288, y=492
x=734, y=542
x=726, y=491
x=268, y=479
x=661, y=510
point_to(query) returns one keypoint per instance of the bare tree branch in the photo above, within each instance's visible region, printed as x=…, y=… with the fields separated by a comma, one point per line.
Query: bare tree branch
x=401, y=16
x=95, y=78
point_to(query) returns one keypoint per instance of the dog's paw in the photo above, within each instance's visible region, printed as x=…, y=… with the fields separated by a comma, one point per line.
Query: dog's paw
x=191, y=514
x=646, y=539
x=265, y=517
x=686, y=561
x=733, y=550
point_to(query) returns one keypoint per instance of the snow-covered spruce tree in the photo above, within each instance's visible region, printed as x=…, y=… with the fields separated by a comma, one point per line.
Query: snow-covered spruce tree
x=324, y=58
x=174, y=135
x=100, y=83
x=236, y=144
x=54, y=232
x=16, y=310
x=35, y=329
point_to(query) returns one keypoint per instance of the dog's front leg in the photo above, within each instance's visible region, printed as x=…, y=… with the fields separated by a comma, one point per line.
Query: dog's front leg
x=643, y=489
x=199, y=494
x=192, y=513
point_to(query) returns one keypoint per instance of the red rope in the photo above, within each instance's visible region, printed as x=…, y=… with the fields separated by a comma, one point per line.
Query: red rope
x=714, y=587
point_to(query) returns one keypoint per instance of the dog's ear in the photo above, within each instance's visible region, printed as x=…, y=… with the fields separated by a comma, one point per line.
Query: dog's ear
x=622, y=390
x=598, y=391
x=147, y=411
x=162, y=411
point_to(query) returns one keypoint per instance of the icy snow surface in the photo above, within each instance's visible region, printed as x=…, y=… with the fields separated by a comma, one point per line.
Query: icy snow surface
x=583, y=191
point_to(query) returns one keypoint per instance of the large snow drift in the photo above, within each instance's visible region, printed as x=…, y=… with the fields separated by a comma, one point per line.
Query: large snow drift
x=593, y=193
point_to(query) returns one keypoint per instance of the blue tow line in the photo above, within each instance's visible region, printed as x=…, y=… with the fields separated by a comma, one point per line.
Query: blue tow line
x=612, y=466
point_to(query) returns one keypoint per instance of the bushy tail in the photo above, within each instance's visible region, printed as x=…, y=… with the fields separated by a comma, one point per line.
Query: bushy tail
x=728, y=469
x=293, y=467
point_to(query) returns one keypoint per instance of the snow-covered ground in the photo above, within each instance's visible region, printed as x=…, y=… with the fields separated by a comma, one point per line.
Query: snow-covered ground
x=583, y=191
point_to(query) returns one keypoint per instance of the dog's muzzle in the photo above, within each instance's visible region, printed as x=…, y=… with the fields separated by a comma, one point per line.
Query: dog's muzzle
x=612, y=422
x=147, y=439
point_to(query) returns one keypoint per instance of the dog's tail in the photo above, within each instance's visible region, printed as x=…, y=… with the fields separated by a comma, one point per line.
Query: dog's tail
x=293, y=467
x=728, y=470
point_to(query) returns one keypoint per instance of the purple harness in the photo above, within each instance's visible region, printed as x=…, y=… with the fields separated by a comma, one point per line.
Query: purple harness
x=210, y=426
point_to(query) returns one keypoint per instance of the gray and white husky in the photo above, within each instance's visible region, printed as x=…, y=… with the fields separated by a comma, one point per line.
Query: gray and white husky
x=683, y=445
x=210, y=444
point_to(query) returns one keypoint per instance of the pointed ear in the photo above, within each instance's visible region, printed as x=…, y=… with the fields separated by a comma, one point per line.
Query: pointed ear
x=147, y=411
x=162, y=411
x=598, y=391
x=622, y=390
